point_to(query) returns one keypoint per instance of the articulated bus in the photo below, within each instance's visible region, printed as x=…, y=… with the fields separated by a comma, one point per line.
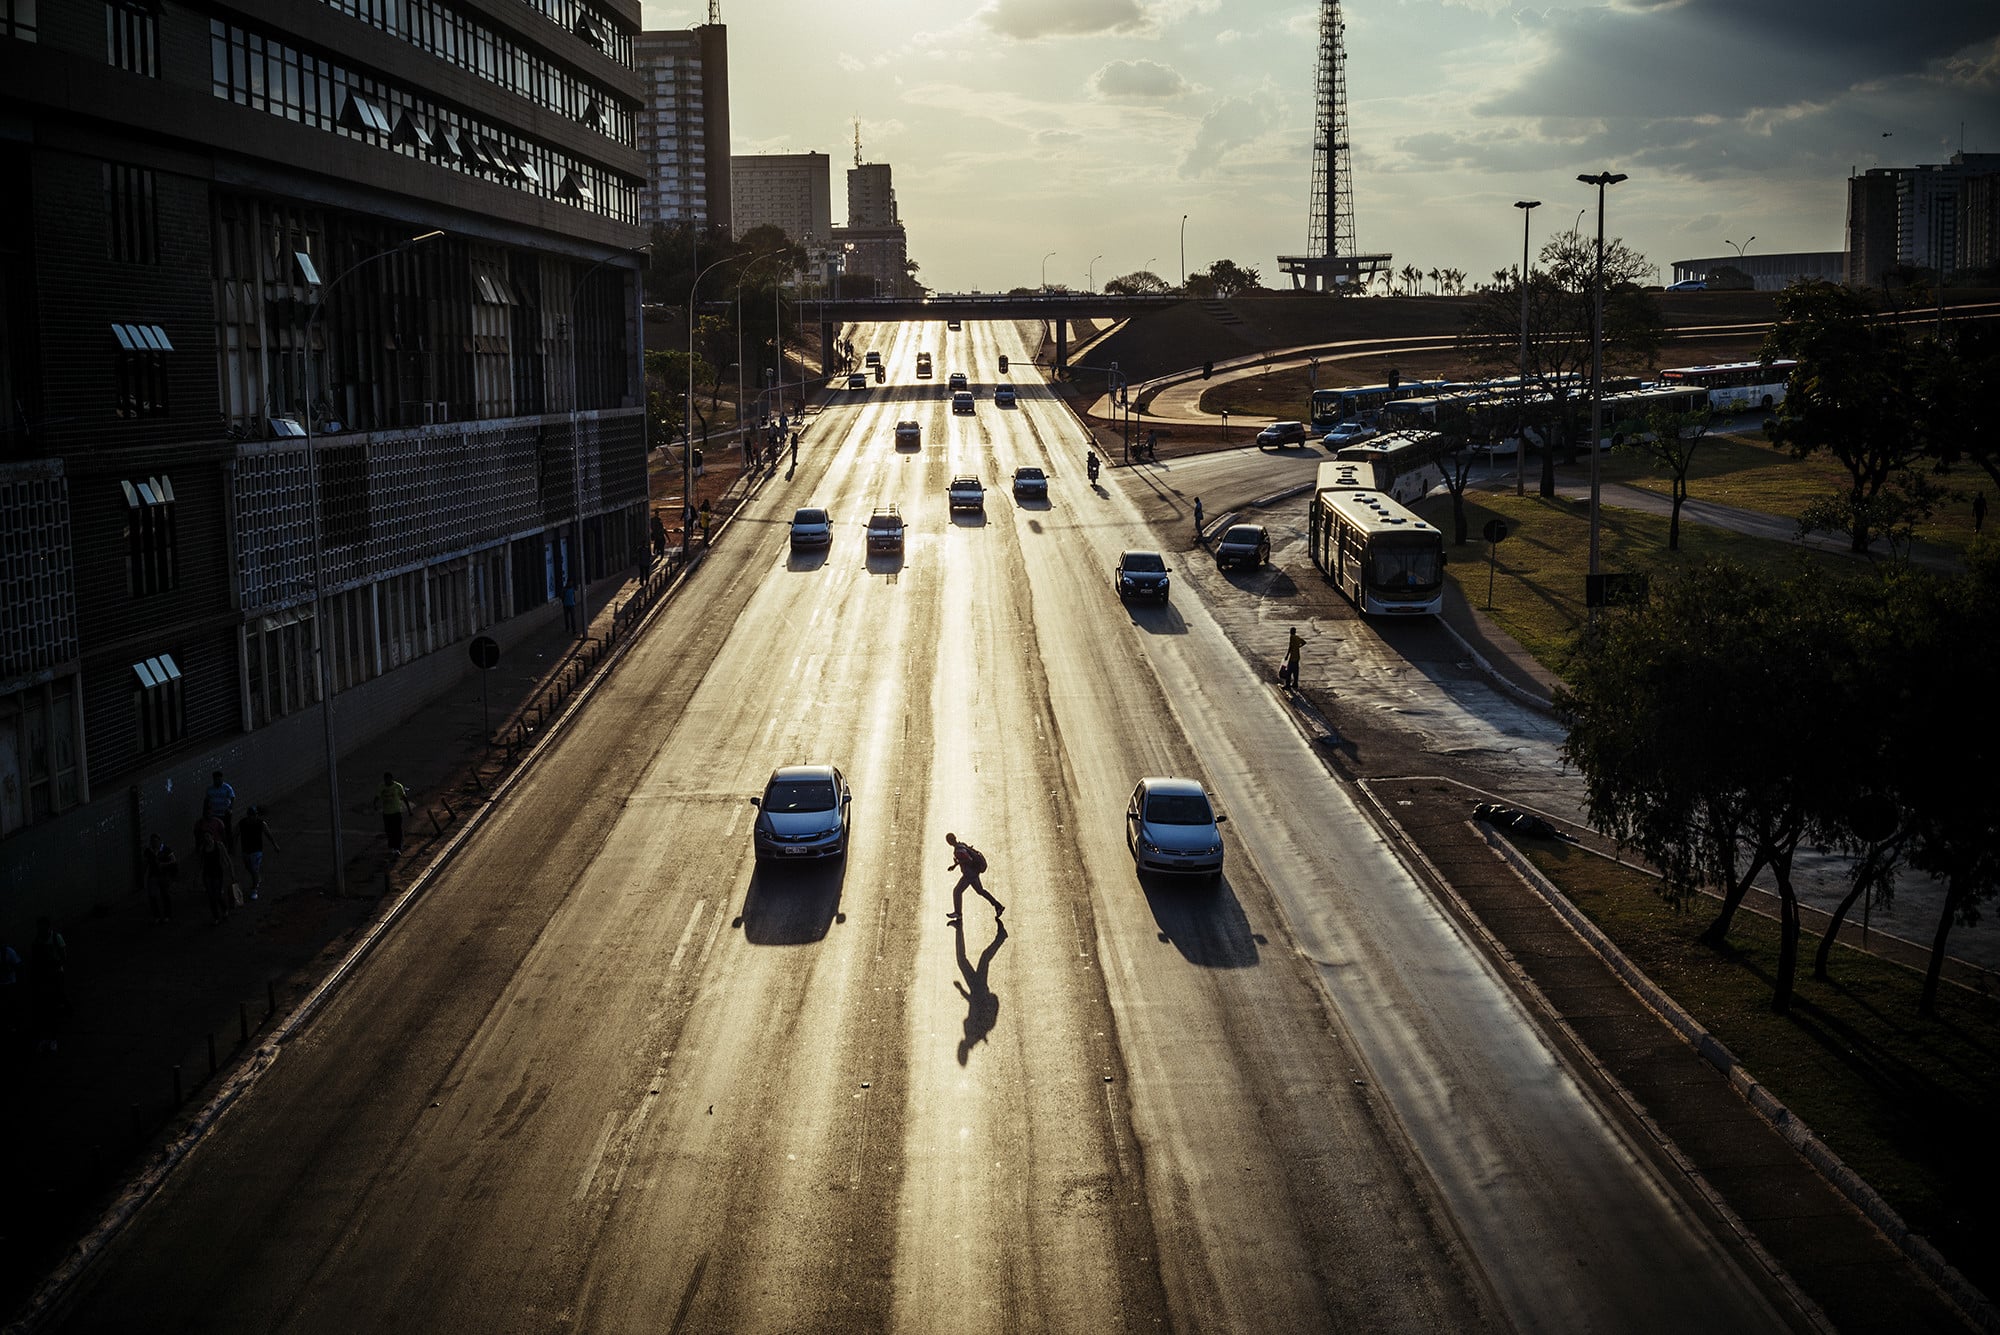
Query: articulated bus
x=1385, y=559
x=1736, y=387
x=1404, y=465
x=1362, y=403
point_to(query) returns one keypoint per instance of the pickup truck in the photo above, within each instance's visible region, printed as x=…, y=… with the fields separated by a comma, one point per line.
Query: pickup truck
x=967, y=493
x=885, y=530
x=909, y=434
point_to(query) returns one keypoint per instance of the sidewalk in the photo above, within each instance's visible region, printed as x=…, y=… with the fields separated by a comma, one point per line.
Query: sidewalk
x=158, y=1010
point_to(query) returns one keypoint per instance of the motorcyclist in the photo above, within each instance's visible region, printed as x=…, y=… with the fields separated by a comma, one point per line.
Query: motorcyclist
x=1090, y=463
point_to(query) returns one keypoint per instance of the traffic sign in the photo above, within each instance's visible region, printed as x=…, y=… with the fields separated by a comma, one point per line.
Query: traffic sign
x=1495, y=530
x=484, y=651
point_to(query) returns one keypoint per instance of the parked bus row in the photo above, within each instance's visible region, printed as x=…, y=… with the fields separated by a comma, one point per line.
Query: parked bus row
x=1386, y=560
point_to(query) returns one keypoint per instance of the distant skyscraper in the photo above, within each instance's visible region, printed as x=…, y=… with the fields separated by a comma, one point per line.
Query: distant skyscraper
x=871, y=199
x=873, y=243
x=793, y=191
x=684, y=130
x=1936, y=217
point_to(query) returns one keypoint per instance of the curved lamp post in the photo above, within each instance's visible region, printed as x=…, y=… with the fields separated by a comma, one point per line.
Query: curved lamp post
x=1090, y=274
x=1045, y=269
x=1600, y=180
x=687, y=409
x=1527, y=207
x=1739, y=249
x=325, y=293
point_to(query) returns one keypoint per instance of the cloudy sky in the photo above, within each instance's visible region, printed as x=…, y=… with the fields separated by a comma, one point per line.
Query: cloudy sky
x=1089, y=127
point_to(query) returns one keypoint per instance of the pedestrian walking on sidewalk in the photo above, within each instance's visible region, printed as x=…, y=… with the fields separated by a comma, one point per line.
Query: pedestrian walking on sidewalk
x=393, y=801
x=251, y=836
x=1197, y=519
x=1288, y=675
x=218, y=875
x=659, y=537
x=569, y=607
x=48, y=982
x=970, y=864
x=162, y=870
x=220, y=803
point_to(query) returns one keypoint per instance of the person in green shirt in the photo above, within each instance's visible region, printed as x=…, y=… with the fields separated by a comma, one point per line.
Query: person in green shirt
x=393, y=801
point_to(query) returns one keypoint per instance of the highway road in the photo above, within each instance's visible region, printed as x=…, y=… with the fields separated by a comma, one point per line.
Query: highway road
x=609, y=1075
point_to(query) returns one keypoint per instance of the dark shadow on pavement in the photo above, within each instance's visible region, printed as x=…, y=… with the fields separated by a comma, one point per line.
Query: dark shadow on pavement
x=1206, y=924
x=808, y=558
x=982, y=1003
x=792, y=905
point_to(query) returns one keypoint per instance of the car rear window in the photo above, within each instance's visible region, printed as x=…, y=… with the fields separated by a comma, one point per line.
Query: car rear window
x=799, y=795
x=1178, y=809
x=809, y=517
x=1144, y=562
x=1028, y=474
x=1243, y=533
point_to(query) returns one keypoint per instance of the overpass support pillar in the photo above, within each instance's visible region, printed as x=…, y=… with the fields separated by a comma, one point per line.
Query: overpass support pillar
x=1062, y=345
x=826, y=328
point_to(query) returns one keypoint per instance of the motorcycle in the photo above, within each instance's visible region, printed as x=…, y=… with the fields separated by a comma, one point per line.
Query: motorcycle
x=1090, y=464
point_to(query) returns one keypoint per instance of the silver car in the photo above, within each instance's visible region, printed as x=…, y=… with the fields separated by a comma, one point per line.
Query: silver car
x=1170, y=826
x=802, y=814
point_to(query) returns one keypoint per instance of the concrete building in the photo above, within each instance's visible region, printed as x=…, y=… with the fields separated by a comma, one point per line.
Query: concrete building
x=684, y=129
x=871, y=197
x=1768, y=273
x=873, y=244
x=319, y=345
x=792, y=191
x=1939, y=216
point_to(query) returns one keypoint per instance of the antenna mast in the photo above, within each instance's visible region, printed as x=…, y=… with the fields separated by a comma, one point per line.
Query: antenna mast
x=857, y=141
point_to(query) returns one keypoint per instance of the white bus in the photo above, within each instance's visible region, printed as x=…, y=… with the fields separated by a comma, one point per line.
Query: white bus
x=1405, y=464
x=1736, y=387
x=1385, y=559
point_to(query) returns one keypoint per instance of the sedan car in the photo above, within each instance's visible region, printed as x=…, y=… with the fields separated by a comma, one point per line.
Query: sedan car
x=802, y=814
x=810, y=528
x=1141, y=575
x=1003, y=396
x=1170, y=826
x=1031, y=484
x=1281, y=433
x=966, y=493
x=957, y=381
x=1689, y=285
x=857, y=381
x=1348, y=433
x=1243, y=545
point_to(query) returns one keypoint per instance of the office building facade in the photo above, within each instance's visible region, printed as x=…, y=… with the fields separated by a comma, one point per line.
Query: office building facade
x=256, y=427
x=791, y=191
x=1935, y=218
x=684, y=129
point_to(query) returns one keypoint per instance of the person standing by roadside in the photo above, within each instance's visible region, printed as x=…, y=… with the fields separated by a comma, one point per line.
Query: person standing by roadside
x=393, y=801
x=220, y=804
x=161, y=872
x=48, y=982
x=251, y=836
x=569, y=607
x=1197, y=519
x=1288, y=675
x=218, y=873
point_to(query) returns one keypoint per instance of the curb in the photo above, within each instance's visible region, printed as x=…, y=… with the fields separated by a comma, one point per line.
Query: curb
x=1970, y=1302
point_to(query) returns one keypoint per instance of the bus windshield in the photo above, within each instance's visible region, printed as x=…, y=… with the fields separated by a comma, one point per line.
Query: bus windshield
x=1410, y=568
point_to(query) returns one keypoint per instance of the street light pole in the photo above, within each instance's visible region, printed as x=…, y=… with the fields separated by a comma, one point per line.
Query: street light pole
x=1527, y=208
x=687, y=413
x=1600, y=180
x=1090, y=274
x=1184, y=219
x=1045, y=269
x=1739, y=249
x=581, y=574
x=338, y=885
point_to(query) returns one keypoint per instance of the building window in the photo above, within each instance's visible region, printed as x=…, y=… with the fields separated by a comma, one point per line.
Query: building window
x=141, y=370
x=157, y=703
x=278, y=658
x=17, y=19
x=149, y=537
x=40, y=775
x=132, y=36
x=128, y=206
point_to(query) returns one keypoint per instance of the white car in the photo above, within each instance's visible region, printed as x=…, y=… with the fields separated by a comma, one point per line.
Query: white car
x=857, y=381
x=811, y=528
x=802, y=814
x=1171, y=826
x=1348, y=433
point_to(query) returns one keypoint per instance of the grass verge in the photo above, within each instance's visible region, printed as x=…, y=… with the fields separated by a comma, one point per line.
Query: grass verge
x=1902, y=1100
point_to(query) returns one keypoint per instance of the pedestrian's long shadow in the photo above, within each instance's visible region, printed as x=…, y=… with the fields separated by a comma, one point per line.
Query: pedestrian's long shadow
x=1205, y=924
x=982, y=1003
x=792, y=905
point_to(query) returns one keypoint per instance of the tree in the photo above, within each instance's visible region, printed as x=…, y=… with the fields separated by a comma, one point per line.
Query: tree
x=1853, y=396
x=1140, y=282
x=1457, y=429
x=1437, y=280
x=1411, y=275
x=1698, y=721
x=1228, y=279
x=1670, y=440
x=1561, y=301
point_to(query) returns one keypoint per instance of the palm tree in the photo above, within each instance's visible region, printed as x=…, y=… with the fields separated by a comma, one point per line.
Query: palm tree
x=1412, y=275
x=1437, y=284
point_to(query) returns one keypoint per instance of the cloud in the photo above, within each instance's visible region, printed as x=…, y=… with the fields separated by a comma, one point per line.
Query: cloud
x=1139, y=79
x=1228, y=131
x=1032, y=20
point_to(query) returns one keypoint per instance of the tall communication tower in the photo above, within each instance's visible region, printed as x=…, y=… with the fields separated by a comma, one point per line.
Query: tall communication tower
x=1331, y=259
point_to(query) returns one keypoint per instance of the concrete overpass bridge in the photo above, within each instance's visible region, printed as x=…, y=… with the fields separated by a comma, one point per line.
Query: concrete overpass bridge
x=1057, y=308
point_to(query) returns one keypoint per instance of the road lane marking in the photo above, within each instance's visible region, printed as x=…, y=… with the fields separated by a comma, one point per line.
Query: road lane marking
x=687, y=934
x=590, y=1165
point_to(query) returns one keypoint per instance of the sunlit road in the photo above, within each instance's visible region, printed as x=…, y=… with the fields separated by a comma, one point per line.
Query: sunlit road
x=609, y=1076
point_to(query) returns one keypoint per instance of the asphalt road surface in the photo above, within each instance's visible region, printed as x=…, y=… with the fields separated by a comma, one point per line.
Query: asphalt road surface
x=608, y=1075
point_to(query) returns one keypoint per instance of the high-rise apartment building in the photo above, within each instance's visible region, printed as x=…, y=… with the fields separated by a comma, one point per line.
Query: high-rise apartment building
x=792, y=191
x=1933, y=217
x=871, y=198
x=873, y=244
x=320, y=351
x=684, y=128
